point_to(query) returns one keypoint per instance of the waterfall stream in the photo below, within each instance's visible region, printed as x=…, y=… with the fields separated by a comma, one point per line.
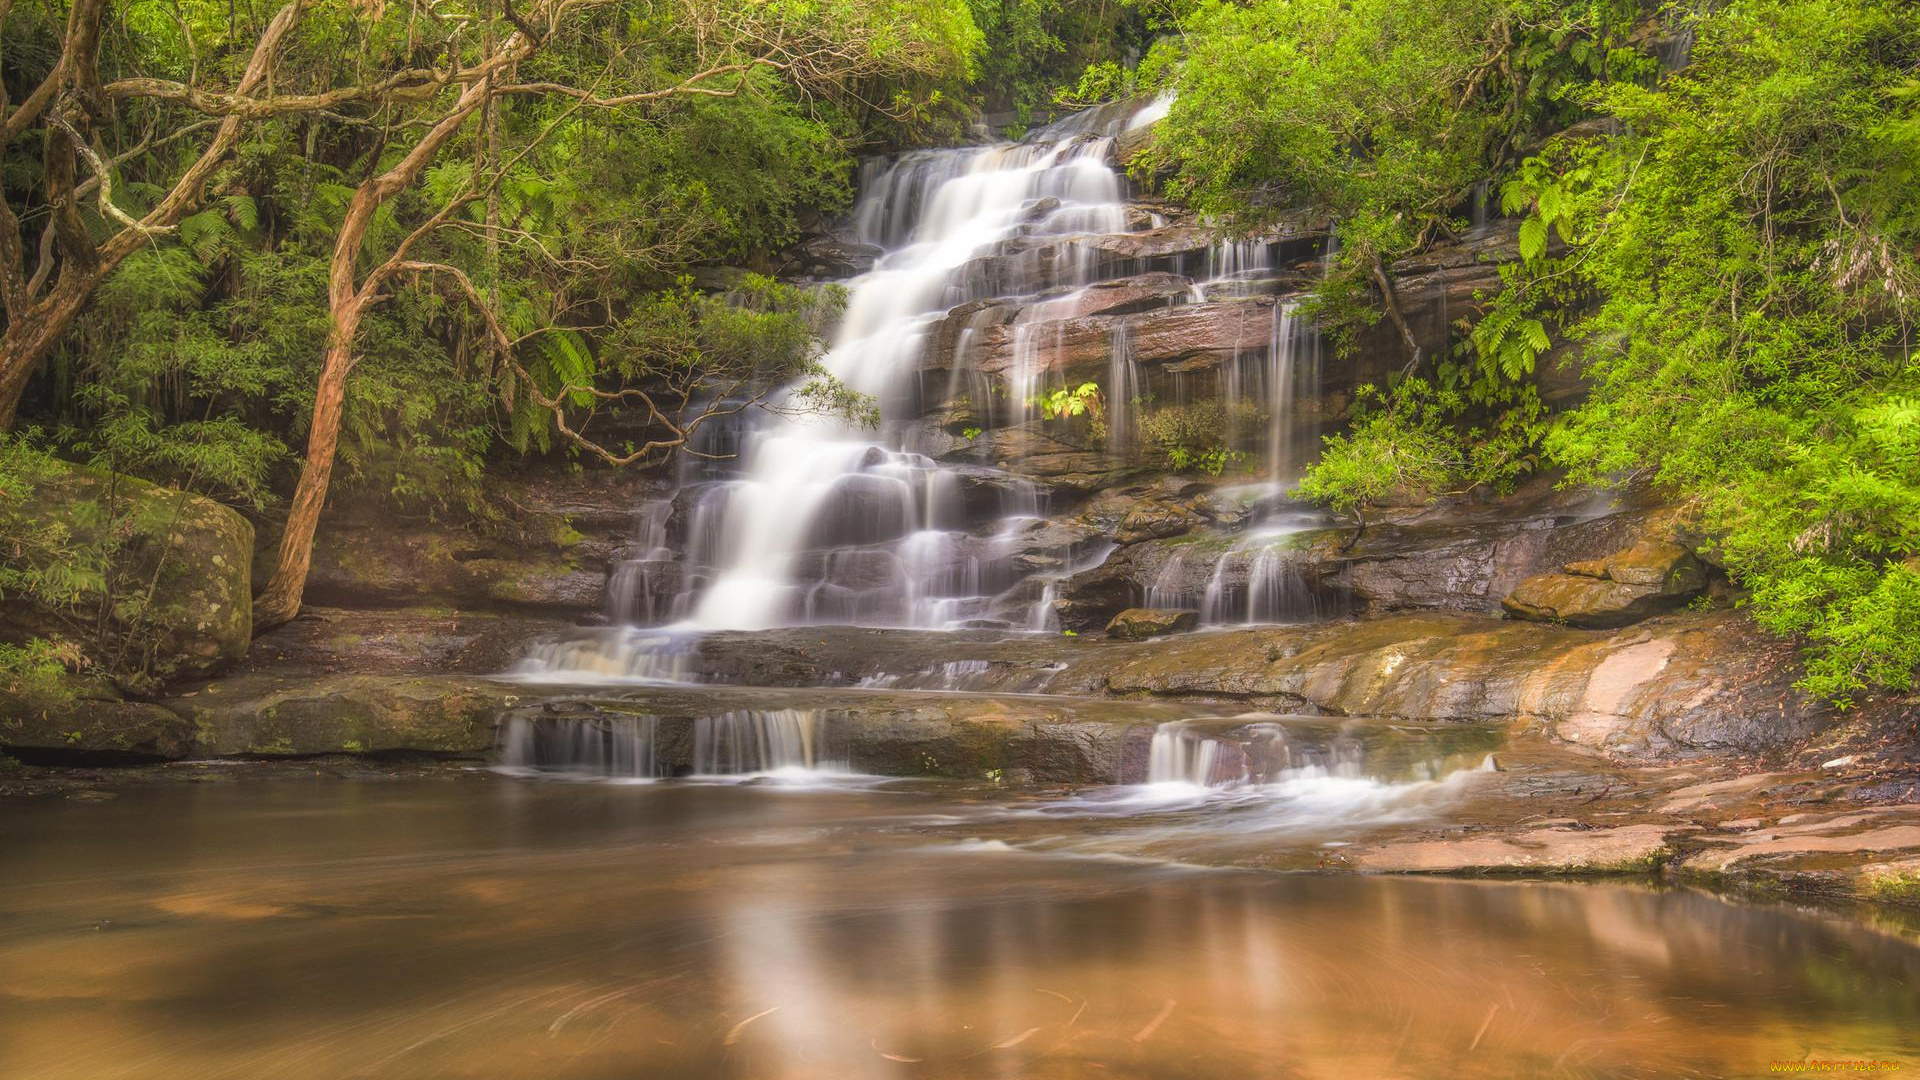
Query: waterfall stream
x=992, y=258
x=738, y=744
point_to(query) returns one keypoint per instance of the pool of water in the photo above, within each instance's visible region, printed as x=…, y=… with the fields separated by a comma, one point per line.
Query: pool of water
x=490, y=927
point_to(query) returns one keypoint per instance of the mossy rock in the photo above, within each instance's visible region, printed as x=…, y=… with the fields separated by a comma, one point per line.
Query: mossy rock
x=65, y=715
x=182, y=568
x=346, y=714
x=1138, y=624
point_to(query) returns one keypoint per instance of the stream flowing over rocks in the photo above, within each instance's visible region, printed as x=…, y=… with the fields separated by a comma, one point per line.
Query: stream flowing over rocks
x=996, y=587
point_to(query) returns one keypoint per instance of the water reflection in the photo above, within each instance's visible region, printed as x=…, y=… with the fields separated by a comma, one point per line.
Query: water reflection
x=491, y=929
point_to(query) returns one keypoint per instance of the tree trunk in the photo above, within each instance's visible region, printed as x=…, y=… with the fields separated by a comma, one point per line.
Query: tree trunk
x=347, y=300
x=279, y=602
x=27, y=341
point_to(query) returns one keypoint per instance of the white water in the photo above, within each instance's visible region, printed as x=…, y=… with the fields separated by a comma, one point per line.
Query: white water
x=818, y=521
x=1274, y=780
x=808, y=482
x=745, y=744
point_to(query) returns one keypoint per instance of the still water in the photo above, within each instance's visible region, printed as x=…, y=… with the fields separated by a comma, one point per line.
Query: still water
x=496, y=928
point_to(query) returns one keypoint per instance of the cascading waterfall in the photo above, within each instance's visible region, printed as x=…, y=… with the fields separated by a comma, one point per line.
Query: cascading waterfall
x=986, y=252
x=823, y=524
x=740, y=743
x=618, y=747
x=1284, y=772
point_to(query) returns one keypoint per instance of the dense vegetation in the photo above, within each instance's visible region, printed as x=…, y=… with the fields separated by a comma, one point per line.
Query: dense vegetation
x=1728, y=250
x=401, y=238
x=375, y=244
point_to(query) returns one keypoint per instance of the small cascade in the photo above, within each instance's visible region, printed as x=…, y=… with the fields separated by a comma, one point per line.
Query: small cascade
x=755, y=742
x=1284, y=774
x=1293, y=363
x=644, y=588
x=1262, y=580
x=1180, y=755
x=618, y=747
x=1122, y=391
x=740, y=744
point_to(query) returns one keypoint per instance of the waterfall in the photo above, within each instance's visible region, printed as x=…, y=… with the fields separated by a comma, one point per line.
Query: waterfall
x=1122, y=389
x=827, y=522
x=1293, y=357
x=741, y=743
x=981, y=300
x=1180, y=755
x=620, y=747
x=751, y=742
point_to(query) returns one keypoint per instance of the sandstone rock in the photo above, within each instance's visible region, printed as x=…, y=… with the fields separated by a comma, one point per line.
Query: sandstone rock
x=1627, y=849
x=1681, y=685
x=1156, y=520
x=357, y=565
x=62, y=716
x=182, y=568
x=1625, y=587
x=398, y=641
x=1138, y=624
x=1657, y=564
x=1880, y=831
x=269, y=716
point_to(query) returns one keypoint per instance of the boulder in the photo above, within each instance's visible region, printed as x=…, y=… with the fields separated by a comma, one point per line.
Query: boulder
x=182, y=584
x=1138, y=624
x=269, y=716
x=363, y=565
x=1651, y=577
x=59, y=716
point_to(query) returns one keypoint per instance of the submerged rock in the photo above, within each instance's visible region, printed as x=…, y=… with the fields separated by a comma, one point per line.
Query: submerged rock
x=1138, y=624
x=1627, y=849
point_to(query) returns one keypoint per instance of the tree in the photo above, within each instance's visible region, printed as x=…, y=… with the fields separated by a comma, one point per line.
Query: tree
x=70, y=263
x=695, y=49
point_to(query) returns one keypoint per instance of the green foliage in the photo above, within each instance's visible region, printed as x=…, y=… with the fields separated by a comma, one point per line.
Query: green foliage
x=1196, y=436
x=1035, y=46
x=42, y=559
x=1400, y=450
x=1068, y=402
x=1750, y=351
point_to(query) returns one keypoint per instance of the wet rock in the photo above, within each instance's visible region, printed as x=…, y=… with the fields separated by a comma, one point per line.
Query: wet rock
x=558, y=536
x=274, y=716
x=1138, y=624
x=1680, y=685
x=1052, y=460
x=411, y=566
x=1872, y=854
x=431, y=641
x=828, y=256
x=1651, y=577
x=65, y=717
x=182, y=569
x=1627, y=849
x=1153, y=520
